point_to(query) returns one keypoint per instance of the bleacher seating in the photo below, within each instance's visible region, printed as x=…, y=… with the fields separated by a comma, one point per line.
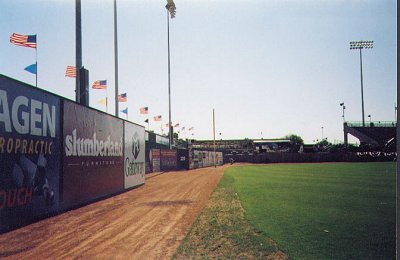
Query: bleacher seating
x=374, y=133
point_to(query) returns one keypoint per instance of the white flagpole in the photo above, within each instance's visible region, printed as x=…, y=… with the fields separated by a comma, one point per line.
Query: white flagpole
x=116, y=59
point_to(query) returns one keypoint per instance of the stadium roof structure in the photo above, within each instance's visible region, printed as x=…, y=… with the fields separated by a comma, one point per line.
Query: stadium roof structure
x=263, y=141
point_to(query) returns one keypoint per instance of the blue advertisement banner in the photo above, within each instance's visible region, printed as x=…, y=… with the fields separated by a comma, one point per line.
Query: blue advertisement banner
x=29, y=153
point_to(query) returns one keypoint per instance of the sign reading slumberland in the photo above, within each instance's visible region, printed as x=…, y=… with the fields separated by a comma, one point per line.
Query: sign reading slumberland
x=29, y=153
x=93, y=155
x=134, y=163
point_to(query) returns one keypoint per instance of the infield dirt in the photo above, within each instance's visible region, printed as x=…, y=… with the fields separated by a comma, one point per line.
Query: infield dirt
x=145, y=223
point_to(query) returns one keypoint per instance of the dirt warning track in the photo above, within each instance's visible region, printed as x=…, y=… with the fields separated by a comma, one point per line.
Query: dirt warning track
x=147, y=222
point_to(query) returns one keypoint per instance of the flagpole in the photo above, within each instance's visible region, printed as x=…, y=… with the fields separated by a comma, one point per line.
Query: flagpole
x=36, y=59
x=107, y=99
x=215, y=165
x=116, y=59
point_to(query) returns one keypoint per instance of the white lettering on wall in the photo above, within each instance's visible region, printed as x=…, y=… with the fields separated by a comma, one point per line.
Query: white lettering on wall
x=27, y=116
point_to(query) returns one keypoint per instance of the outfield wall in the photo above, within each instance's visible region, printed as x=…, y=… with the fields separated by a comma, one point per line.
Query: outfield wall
x=56, y=154
x=310, y=157
x=163, y=160
x=200, y=159
x=181, y=159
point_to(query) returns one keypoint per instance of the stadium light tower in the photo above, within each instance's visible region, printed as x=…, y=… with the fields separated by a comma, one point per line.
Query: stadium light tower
x=362, y=45
x=343, y=107
x=322, y=129
x=171, y=12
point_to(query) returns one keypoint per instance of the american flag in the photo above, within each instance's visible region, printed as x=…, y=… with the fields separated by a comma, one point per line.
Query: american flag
x=70, y=72
x=157, y=118
x=144, y=110
x=122, y=97
x=99, y=84
x=23, y=40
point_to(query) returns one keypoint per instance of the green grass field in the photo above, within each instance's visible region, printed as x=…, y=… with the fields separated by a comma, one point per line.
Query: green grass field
x=322, y=211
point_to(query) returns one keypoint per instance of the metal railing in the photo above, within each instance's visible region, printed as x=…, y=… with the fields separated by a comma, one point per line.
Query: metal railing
x=372, y=124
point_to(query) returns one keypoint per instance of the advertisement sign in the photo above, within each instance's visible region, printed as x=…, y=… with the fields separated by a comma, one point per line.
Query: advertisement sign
x=168, y=160
x=183, y=159
x=198, y=159
x=206, y=159
x=134, y=154
x=162, y=140
x=219, y=158
x=155, y=159
x=93, y=155
x=29, y=153
x=191, y=159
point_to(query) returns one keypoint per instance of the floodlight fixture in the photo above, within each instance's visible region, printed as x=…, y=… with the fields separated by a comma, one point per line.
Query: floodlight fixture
x=361, y=45
x=171, y=8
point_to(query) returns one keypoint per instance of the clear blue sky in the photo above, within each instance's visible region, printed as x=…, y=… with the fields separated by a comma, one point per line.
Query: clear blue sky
x=276, y=67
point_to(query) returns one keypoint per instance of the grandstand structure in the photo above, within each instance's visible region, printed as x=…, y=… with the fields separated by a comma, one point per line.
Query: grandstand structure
x=379, y=135
x=244, y=146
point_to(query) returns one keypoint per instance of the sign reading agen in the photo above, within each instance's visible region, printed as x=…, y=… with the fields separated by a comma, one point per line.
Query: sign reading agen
x=24, y=116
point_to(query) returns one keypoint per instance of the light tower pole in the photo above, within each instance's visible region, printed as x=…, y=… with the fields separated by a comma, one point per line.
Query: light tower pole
x=171, y=12
x=361, y=45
